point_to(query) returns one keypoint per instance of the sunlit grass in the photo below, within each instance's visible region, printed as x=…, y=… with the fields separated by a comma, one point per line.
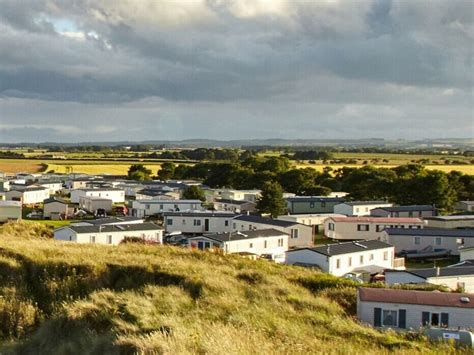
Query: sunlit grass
x=69, y=298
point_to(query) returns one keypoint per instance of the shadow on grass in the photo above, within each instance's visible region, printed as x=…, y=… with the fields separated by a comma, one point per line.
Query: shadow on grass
x=50, y=284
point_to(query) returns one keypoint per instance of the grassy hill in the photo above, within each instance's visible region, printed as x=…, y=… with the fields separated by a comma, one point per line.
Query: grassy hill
x=60, y=298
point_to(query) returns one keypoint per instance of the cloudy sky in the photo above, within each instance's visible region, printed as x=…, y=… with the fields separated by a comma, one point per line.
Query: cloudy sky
x=85, y=70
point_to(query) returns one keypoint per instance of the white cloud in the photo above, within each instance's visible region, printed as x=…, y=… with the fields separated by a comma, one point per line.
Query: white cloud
x=78, y=36
x=150, y=13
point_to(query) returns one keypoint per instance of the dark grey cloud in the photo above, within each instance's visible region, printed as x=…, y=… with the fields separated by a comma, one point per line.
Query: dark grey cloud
x=299, y=68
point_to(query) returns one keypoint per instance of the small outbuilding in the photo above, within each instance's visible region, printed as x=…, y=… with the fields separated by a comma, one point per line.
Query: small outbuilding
x=57, y=208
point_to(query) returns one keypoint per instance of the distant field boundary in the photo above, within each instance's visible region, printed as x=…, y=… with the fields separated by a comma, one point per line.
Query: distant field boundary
x=120, y=166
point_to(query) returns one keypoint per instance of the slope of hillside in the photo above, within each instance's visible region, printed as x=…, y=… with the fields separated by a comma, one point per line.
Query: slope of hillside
x=71, y=299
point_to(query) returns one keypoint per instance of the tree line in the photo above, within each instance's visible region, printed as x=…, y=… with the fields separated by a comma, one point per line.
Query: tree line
x=405, y=184
x=11, y=155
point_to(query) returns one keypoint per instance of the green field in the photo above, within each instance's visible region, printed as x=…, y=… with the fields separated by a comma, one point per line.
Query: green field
x=400, y=158
x=65, y=298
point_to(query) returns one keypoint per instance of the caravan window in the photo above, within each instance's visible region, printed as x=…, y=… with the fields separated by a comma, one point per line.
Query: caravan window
x=389, y=318
x=363, y=227
x=204, y=245
x=435, y=319
x=294, y=233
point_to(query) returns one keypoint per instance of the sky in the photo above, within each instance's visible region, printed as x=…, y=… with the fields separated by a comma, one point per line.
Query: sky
x=111, y=70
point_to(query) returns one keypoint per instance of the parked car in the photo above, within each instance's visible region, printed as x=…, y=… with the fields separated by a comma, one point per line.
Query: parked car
x=176, y=239
x=277, y=258
x=35, y=214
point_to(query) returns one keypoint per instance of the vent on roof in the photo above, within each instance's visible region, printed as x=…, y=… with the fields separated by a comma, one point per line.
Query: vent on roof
x=360, y=245
x=464, y=299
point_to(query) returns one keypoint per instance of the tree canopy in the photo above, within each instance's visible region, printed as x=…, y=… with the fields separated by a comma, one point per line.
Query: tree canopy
x=194, y=193
x=405, y=184
x=139, y=172
x=271, y=200
x=166, y=171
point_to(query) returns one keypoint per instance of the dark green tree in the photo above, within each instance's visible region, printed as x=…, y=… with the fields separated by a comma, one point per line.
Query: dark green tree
x=194, y=192
x=429, y=187
x=271, y=200
x=139, y=172
x=299, y=181
x=275, y=164
x=368, y=183
x=167, y=171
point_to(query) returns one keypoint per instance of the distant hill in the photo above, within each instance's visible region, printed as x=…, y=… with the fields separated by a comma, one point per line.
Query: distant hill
x=59, y=298
x=277, y=142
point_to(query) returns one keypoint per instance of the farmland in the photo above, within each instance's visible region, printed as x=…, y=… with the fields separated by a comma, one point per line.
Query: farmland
x=112, y=167
x=98, y=167
x=466, y=169
x=445, y=163
x=20, y=165
x=11, y=166
x=117, y=163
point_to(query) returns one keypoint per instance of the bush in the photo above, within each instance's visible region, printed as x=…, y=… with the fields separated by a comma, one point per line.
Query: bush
x=251, y=277
x=133, y=240
x=322, y=282
x=17, y=317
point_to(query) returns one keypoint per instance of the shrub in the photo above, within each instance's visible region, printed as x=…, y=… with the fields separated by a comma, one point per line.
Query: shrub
x=136, y=240
x=17, y=317
x=251, y=277
x=320, y=282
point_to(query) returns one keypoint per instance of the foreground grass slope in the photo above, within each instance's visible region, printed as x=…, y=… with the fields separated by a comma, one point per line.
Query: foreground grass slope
x=90, y=299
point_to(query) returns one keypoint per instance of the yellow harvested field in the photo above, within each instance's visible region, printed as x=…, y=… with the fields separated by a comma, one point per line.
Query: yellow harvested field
x=466, y=169
x=12, y=166
x=102, y=168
